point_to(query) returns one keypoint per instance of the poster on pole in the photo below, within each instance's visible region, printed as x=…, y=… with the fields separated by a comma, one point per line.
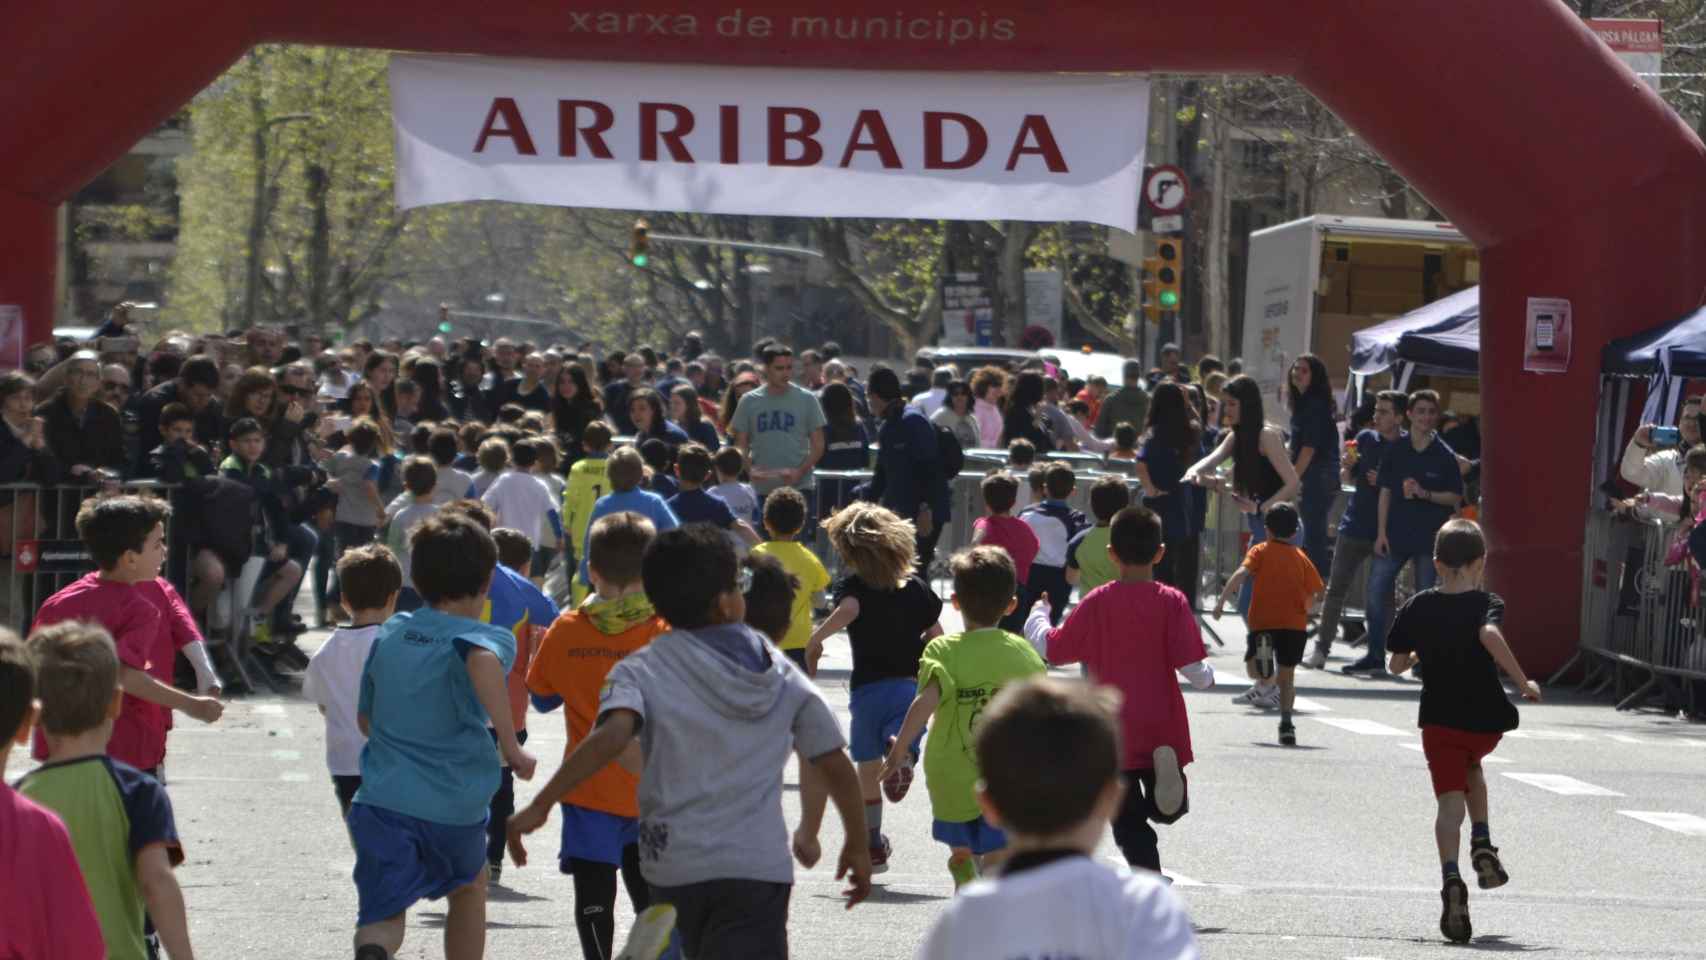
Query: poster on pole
x=1546, y=342
x=968, y=319
x=11, y=336
x=1046, y=147
x=1044, y=300
x=1638, y=43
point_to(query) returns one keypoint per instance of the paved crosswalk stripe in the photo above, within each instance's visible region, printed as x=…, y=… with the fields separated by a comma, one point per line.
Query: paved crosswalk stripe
x=267, y=710
x=1624, y=738
x=1306, y=705
x=1560, y=784
x=1683, y=823
x=1545, y=735
x=1367, y=728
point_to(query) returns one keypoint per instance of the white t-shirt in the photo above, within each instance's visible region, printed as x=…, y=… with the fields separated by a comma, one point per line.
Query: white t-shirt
x=334, y=682
x=1074, y=907
x=521, y=500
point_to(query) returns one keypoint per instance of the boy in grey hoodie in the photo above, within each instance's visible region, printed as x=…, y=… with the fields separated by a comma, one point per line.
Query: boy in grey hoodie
x=717, y=710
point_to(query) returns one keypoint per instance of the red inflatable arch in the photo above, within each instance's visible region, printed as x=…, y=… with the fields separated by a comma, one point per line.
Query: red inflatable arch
x=1573, y=178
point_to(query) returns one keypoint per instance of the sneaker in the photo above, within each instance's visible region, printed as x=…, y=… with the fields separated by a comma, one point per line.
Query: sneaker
x=261, y=635
x=288, y=654
x=495, y=872
x=371, y=951
x=1287, y=734
x=1489, y=872
x=880, y=854
x=1365, y=666
x=897, y=783
x=1318, y=659
x=1269, y=698
x=1454, y=919
x=1169, y=782
x=651, y=933
x=1249, y=698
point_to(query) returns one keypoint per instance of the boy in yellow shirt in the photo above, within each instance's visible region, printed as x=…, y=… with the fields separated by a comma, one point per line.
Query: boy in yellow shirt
x=589, y=479
x=784, y=515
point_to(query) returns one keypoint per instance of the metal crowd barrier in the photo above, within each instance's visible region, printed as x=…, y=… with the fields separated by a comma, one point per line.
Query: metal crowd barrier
x=1641, y=624
x=38, y=531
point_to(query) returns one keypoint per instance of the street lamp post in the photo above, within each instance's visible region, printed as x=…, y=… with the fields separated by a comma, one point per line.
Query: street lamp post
x=261, y=207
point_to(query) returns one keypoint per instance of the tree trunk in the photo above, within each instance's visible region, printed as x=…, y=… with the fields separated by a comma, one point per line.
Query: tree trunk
x=258, y=209
x=319, y=246
x=1016, y=236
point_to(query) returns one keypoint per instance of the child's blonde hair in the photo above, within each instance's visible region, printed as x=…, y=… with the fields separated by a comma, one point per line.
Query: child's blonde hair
x=876, y=543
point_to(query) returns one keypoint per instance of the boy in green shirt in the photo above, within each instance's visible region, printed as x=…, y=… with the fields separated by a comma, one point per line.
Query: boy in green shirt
x=1088, y=565
x=958, y=675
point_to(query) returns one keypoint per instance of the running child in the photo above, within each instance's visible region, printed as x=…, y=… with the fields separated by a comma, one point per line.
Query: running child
x=1125, y=443
x=420, y=483
x=1454, y=630
x=889, y=613
x=149, y=624
x=51, y=915
x=119, y=818
x=784, y=518
x=717, y=715
x=999, y=528
x=589, y=479
x=741, y=497
x=522, y=501
x=958, y=675
x=1134, y=634
x=433, y=681
x=1055, y=524
x=371, y=580
x=1286, y=583
x=601, y=816
x=1050, y=755
x=1088, y=564
x=626, y=471
x=694, y=504
x=1021, y=456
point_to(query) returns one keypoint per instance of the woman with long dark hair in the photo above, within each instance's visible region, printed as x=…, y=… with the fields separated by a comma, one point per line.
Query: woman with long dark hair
x=1173, y=440
x=380, y=372
x=1314, y=451
x=685, y=410
x=575, y=405
x=645, y=408
x=1262, y=473
x=1020, y=418
x=846, y=445
x=429, y=376
x=743, y=384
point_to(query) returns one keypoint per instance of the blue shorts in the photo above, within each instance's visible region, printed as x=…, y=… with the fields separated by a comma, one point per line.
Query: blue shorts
x=401, y=859
x=878, y=710
x=595, y=835
x=977, y=835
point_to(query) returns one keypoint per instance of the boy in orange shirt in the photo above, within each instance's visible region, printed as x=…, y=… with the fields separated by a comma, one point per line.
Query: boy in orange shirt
x=1286, y=584
x=601, y=816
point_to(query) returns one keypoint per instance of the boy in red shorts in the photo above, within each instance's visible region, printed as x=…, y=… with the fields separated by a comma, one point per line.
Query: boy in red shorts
x=1454, y=629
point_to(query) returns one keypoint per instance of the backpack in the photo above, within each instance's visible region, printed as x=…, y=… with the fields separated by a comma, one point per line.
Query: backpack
x=949, y=454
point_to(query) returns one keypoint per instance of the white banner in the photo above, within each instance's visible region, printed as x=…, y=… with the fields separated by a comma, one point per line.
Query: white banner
x=781, y=142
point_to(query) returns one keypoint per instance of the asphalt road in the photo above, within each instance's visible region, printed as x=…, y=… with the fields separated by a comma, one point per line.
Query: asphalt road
x=1320, y=851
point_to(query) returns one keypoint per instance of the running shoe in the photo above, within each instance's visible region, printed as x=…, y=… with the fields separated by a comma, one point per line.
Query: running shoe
x=899, y=780
x=1318, y=659
x=1489, y=872
x=1454, y=919
x=650, y=935
x=1365, y=666
x=1169, y=782
x=880, y=854
x=495, y=872
x=1287, y=734
x=1270, y=697
x=1249, y=698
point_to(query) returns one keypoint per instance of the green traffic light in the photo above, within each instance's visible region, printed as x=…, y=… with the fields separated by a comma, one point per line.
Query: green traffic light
x=444, y=327
x=640, y=259
x=1169, y=299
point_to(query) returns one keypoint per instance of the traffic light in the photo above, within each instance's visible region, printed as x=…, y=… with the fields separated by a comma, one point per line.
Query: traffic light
x=1151, y=305
x=639, y=246
x=1168, y=276
x=444, y=318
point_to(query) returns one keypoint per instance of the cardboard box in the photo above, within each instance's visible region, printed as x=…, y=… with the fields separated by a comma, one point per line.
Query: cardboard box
x=1406, y=256
x=1384, y=280
x=1385, y=303
x=1332, y=342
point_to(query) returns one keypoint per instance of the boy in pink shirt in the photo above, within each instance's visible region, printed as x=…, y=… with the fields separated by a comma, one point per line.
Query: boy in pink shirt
x=1001, y=529
x=148, y=621
x=1133, y=633
x=50, y=916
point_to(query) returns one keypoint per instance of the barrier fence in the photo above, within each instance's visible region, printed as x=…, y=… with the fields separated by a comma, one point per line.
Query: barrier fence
x=1641, y=625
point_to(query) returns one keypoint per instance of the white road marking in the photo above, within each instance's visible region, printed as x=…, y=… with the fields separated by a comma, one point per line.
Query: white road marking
x=1624, y=738
x=1180, y=880
x=1684, y=823
x=1306, y=705
x=283, y=733
x=293, y=777
x=1545, y=735
x=1560, y=784
x=1413, y=745
x=1367, y=728
x=267, y=710
x=287, y=755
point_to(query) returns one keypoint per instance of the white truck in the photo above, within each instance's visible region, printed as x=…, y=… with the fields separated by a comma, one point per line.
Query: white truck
x=1313, y=282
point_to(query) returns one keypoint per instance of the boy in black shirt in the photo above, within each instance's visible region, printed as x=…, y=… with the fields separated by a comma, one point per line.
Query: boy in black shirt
x=1454, y=629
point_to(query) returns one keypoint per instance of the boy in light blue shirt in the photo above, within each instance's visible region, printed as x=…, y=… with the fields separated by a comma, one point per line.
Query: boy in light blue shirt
x=626, y=470
x=434, y=680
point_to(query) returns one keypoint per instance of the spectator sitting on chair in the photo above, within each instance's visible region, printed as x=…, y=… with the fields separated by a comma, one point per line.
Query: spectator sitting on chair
x=272, y=534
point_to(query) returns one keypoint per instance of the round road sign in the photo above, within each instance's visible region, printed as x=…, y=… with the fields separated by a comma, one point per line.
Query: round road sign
x=1166, y=189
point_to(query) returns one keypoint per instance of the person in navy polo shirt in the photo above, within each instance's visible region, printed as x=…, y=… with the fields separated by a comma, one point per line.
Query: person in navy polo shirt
x=1360, y=523
x=1420, y=485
